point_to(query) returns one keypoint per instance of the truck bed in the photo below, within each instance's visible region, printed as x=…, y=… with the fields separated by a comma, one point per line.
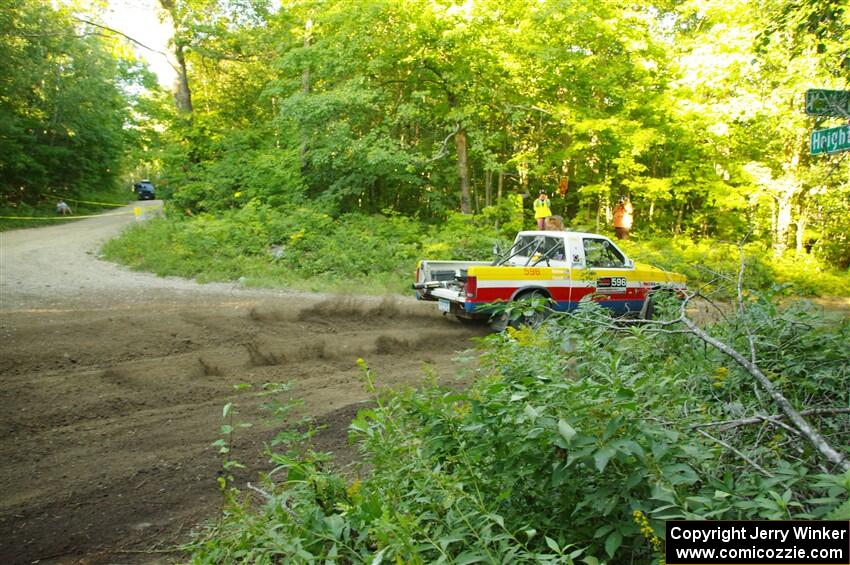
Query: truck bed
x=445, y=277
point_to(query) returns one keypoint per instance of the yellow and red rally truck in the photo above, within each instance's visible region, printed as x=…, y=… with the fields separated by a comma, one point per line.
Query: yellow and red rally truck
x=561, y=266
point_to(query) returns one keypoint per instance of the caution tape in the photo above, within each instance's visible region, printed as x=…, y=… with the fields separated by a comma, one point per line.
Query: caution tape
x=92, y=202
x=64, y=217
x=141, y=210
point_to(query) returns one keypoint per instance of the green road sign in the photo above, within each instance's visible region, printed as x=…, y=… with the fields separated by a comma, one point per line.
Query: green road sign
x=830, y=140
x=834, y=103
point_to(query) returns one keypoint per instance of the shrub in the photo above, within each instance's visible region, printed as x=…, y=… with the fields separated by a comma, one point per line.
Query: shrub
x=299, y=245
x=575, y=442
x=713, y=263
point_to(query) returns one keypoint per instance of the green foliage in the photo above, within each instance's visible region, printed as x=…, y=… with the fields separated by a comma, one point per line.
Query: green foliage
x=574, y=443
x=301, y=247
x=237, y=169
x=712, y=264
x=298, y=246
x=832, y=242
x=388, y=105
x=819, y=24
x=64, y=97
x=375, y=105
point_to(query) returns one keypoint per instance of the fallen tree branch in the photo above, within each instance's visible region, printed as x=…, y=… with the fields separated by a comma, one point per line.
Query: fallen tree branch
x=806, y=430
x=269, y=498
x=729, y=424
x=737, y=452
x=811, y=434
x=261, y=492
x=796, y=418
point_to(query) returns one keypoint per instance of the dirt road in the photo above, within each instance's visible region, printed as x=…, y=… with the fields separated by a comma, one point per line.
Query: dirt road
x=113, y=384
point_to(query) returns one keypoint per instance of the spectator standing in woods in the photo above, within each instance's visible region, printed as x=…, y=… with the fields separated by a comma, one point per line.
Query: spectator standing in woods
x=542, y=209
x=623, y=218
x=62, y=208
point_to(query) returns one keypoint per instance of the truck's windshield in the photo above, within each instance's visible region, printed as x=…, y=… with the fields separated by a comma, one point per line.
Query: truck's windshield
x=600, y=253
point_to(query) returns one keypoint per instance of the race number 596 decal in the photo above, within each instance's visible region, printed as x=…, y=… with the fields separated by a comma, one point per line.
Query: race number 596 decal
x=611, y=284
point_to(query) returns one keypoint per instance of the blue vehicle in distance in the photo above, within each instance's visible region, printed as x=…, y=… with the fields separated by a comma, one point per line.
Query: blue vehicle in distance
x=144, y=190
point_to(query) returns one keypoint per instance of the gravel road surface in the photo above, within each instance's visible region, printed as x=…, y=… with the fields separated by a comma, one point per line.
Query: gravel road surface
x=113, y=384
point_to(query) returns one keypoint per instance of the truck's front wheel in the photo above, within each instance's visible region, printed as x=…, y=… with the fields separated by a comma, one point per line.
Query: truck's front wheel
x=656, y=298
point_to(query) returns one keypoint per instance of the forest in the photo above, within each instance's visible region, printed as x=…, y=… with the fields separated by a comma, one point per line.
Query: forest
x=330, y=144
x=423, y=109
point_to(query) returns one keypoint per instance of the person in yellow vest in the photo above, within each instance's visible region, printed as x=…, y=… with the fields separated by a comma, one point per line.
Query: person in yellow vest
x=623, y=218
x=542, y=210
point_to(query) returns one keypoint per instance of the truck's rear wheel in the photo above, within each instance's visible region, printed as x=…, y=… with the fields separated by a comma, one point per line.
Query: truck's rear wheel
x=468, y=321
x=500, y=322
x=536, y=318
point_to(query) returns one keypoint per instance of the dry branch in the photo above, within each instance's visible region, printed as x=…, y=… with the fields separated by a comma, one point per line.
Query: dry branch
x=796, y=417
x=444, y=146
x=129, y=38
x=739, y=453
x=729, y=424
x=811, y=434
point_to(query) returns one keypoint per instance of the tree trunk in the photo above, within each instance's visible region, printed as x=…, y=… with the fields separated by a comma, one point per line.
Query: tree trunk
x=802, y=220
x=677, y=229
x=182, y=92
x=475, y=192
x=598, y=212
x=501, y=186
x=305, y=90
x=463, y=170
x=783, y=223
x=305, y=74
x=488, y=188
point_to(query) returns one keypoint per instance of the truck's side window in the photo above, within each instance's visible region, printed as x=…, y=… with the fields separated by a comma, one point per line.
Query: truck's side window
x=554, y=249
x=533, y=249
x=600, y=253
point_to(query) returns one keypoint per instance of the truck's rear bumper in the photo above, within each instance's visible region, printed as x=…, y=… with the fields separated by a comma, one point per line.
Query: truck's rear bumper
x=448, y=294
x=454, y=302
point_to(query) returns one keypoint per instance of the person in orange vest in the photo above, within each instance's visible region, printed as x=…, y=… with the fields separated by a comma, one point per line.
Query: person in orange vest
x=623, y=218
x=542, y=209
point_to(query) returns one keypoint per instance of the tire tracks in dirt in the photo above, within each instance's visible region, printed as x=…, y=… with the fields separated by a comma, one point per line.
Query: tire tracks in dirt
x=107, y=442
x=113, y=384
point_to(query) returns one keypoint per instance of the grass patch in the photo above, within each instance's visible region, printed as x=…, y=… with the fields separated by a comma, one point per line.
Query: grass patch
x=302, y=249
